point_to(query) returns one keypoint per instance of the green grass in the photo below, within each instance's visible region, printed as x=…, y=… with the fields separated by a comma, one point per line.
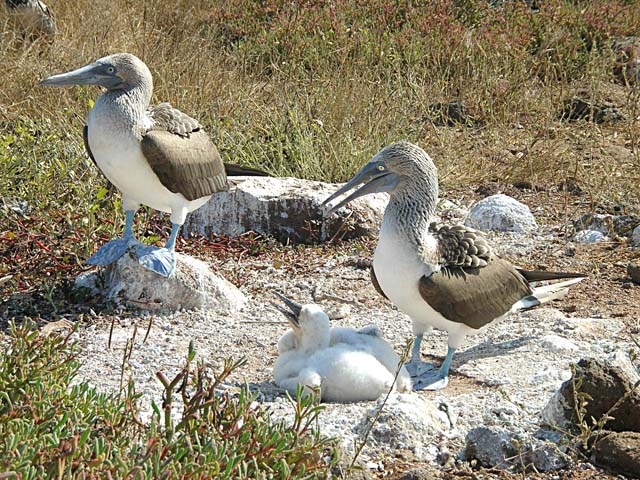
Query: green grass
x=54, y=427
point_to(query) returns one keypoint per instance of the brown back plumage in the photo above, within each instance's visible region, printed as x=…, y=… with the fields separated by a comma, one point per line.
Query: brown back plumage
x=182, y=155
x=474, y=296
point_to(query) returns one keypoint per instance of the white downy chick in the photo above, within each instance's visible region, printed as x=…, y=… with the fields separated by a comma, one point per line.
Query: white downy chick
x=358, y=366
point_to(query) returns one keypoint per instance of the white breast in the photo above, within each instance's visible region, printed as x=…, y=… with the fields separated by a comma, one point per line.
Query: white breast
x=119, y=157
x=398, y=268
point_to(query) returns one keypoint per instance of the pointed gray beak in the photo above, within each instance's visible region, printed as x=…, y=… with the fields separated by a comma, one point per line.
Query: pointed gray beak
x=93, y=74
x=375, y=176
x=292, y=313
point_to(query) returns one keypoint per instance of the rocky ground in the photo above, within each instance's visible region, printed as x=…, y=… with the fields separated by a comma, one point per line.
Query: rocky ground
x=503, y=379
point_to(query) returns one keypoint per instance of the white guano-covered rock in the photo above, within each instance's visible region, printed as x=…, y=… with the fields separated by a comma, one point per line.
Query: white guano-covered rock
x=287, y=209
x=589, y=236
x=501, y=213
x=191, y=285
x=407, y=421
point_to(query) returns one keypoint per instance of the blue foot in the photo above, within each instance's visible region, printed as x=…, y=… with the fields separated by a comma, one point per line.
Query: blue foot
x=159, y=260
x=417, y=368
x=430, y=381
x=113, y=250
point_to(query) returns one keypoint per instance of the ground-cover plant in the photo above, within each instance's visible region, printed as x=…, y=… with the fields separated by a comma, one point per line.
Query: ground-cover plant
x=54, y=427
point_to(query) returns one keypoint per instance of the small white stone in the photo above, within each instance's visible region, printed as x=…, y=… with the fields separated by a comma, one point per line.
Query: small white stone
x=556, y=343
x=589, y=236
x=501, y=213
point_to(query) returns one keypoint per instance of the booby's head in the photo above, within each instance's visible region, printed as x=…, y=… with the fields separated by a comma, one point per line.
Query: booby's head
x=120, y=71
x=401, y=167
x=309, y=323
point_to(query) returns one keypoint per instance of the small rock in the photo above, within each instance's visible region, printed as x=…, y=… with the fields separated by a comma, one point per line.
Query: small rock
x=619, y=452
x=191, y=285
x=452, y=114
x=287, y=209
x=608, y=225
x=556, y=343
x=635, y=237
x=16, y=205
x=407, y=421
x=633, y=270
x=499, y=448
x=589, y=236
x=582, y=108
x=419, y=474
x=606, y=381
x=501, y=213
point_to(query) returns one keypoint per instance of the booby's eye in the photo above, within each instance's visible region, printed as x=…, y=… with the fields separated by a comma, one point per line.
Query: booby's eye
x=381, y=168
x=111, y=70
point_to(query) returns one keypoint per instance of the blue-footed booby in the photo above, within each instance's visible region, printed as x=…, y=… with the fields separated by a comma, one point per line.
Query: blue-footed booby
x=156, y=156
x=346, y=365
x=33, y=16
x=445, y=277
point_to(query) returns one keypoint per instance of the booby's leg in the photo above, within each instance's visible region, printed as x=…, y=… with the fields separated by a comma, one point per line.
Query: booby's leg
x=114, y=249
x=436, y=380
x=162, y=260
x=416, y=366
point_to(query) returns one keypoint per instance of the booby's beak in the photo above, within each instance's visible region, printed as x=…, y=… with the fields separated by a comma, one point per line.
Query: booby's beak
x=375, y=176
x=93, y=74
x=292, y=313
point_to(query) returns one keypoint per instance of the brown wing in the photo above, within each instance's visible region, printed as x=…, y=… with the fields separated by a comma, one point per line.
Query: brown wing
x=182, y=155
x=474, y=296
x=376, y=285
x=461, y=246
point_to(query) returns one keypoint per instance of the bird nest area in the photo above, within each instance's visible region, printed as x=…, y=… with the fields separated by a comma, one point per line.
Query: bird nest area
x=336, y=276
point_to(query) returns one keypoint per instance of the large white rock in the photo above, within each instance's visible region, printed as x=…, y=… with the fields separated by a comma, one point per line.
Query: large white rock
x=287, y=209
x=501, y=213
x=191, y=285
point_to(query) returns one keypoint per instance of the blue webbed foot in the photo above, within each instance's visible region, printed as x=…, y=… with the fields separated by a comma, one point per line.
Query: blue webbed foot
x=431, y=381
x=416, y=368
x=113, y=250
x=159, y=260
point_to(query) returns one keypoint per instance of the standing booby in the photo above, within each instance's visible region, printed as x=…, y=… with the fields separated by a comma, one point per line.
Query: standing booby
x=446, y=278
x=156, y=156
x=344, y=364
x=33, y=16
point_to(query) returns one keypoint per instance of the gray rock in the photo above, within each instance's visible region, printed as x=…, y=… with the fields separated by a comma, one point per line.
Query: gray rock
x=501, y=213
x=556, y=343
x=499, y=448
x=635, y=237
x=406, y=422
x=582, y=108
x=420, y=474
x=608, y=225
x=191, y=285
x=16, y=205
x=605, y=381
x=287, y=209
x=589, y=236
x=633, y=270
x=619, y=452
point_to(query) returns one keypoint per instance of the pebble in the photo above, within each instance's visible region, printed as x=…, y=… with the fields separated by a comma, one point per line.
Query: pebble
x=501, y=213
x=589, y=236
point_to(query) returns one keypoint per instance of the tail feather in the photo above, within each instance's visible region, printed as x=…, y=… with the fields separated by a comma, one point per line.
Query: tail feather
x=237, y=171
x=542, y=275
x=545, y=294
